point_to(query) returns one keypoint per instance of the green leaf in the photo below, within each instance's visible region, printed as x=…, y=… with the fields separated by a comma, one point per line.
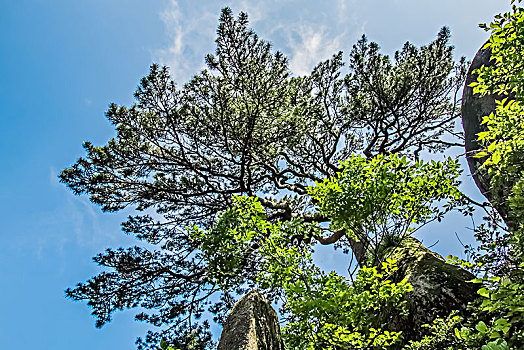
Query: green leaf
x=457, y=334
x=481, y=327
x=484, y=292
x=480, y=154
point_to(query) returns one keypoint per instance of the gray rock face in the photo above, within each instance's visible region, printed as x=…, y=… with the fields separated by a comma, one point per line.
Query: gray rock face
x=251, y=325
x=438, y=287
x=474, y=108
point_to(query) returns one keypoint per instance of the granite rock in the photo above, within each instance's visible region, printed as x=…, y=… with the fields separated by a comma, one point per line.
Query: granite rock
x=474, y=108
x=251, y=325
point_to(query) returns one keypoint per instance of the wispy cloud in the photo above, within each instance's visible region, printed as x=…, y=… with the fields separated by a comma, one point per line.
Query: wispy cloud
x=188, y=33
x=309, y=46
x=298, y=29
x=68, y=221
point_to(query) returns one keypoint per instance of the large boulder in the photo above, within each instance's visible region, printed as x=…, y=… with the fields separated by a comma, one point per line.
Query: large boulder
x=438, y=287
x=474, y=108
x=251, y=325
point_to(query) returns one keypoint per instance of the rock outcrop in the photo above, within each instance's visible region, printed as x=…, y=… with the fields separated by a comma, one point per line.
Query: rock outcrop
x=474, y=108
x=251, y=325
x=438, y=287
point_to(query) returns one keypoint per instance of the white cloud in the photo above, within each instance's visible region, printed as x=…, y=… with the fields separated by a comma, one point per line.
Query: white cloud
x=189, y=34
x=257, y=12
x=312, y=41
x=307, y=32
x=172, y=55
x=343, y=9
x=53, y=177
x=69, y=221
x=313, y=46
x=172, y=18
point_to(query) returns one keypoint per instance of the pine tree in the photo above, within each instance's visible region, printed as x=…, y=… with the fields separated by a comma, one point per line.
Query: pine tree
x=247, y=128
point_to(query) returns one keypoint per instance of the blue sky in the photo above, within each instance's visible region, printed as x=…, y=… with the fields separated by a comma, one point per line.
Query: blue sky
x=62, y=62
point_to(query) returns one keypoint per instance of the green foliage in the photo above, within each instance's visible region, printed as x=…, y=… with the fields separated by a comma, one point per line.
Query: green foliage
x=188, y=341
x=504, y=139
x=505, y=156
x=444, y=335
x=503, y=302
x=375, y=200
x=228, y=244
x=165, y=346
x=496, y=320
x=325, y=311
x=505, y=163
x=371, y=193
x=321, y=310
x=499, y=344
